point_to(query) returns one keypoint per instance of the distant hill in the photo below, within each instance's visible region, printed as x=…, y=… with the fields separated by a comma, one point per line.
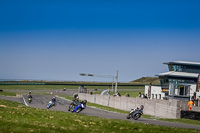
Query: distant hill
x=147, y=80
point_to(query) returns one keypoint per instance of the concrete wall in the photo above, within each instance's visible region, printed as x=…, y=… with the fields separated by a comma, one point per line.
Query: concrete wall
x=155, y=107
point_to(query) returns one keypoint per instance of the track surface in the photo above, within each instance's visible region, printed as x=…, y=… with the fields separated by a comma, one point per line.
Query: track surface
x=41, y=101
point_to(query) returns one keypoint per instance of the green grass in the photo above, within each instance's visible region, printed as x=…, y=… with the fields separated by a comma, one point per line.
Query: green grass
x=123, y=93
x=85, y=83
x=37, y=87
x=15, y=117
x=7, y=93
x=51, y=87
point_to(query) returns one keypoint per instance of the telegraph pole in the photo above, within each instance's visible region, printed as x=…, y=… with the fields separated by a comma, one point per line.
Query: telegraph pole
x=113, y=82
x=116, y=81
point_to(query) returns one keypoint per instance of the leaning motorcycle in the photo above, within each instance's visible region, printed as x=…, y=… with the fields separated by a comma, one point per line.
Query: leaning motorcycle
x=50, y=104
x=81, y=107
x=135, y=113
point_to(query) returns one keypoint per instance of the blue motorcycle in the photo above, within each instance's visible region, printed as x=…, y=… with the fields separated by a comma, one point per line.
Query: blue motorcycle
x=80, y=107
x=50, y=104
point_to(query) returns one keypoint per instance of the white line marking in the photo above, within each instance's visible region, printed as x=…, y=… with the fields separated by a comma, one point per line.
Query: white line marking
x=25, y=101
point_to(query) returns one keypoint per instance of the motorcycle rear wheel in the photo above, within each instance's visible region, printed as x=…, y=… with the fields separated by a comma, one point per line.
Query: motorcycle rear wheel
x=128, y=117
x=71, y=107
x=78, y=110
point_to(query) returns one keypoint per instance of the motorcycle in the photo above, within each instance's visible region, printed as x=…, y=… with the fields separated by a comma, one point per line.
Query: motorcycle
x=50, y=104
x=82, y=106
x=77, y=108
x=135, y=113
x=30, y=100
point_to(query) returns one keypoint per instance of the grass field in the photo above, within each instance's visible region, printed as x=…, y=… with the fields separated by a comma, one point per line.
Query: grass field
x=123, y=93
x=7, y=93
x=15, y=117
x=50, y=87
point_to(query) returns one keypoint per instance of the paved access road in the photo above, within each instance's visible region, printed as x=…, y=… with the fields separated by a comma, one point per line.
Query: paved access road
x=41, y=101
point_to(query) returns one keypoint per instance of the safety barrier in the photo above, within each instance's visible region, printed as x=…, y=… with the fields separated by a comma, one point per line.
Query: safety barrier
x=190, y=115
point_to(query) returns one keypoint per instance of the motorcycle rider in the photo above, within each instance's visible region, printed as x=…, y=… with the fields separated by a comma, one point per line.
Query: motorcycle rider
x=75, y=95
x=141, y=108
x=78, y=106
x=29, y=93
x=53, y=101
x=30, y=97
x=76, y=101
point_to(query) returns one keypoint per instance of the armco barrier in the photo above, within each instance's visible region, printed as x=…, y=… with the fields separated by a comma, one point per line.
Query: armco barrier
x=155, y=107
x=193, y=115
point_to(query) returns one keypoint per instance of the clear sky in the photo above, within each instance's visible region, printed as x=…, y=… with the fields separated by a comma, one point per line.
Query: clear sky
x=58, y=39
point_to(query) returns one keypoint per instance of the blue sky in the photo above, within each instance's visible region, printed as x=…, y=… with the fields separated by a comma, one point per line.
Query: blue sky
x=57, y=40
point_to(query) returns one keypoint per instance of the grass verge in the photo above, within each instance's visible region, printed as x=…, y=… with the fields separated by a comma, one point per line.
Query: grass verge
x=3, y=93
x=123, y=93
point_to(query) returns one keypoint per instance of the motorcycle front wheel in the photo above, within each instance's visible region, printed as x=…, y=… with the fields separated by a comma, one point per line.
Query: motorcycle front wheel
x=48, y=106
x=71, y=107
x=136, y=116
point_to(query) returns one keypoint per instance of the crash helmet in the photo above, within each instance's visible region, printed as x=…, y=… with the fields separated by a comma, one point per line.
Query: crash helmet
x=141, y=107
x=85, y=101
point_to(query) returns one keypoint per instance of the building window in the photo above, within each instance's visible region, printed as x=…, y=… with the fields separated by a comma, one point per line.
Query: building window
x=178, y=68
x=164, y=82
x=152, y=96
x=181, y=90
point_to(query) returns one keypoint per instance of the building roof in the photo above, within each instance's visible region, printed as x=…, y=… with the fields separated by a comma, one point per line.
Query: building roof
x=179, y=74
x=183, y=63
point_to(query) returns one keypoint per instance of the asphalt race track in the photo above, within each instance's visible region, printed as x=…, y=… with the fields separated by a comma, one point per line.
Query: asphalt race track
x=41, y=101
